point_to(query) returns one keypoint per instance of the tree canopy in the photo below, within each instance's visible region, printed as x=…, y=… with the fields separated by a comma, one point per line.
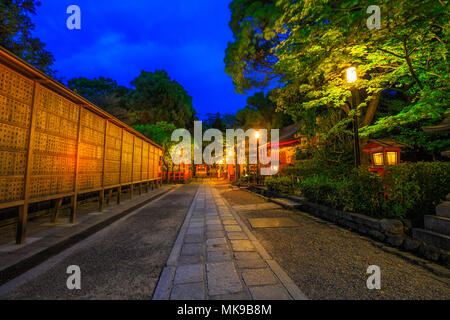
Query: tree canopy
x=260, y=113
x=154, y=98
x=304, y=47
x=158, y=98
x=105, y=93
x=16, y=34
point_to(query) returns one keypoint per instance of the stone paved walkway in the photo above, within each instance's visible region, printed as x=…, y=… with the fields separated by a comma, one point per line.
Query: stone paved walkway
x=216, y=257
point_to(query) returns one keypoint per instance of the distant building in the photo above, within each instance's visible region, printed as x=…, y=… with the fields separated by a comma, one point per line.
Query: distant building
x=290, y=141
x=443, y=127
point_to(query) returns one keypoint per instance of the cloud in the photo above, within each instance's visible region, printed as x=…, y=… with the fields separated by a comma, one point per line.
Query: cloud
x=119, y=39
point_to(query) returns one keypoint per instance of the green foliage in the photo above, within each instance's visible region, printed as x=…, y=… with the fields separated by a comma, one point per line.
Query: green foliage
x=158, y=98
x=322, y=190
x=363, y=192
x=416, y=188
x=160, y=133
x=155, y=98
x=105, y=93
x=16, y=31
x=409, y=190
x=411, y=133
x=315, y=168
x=305, y=46
x=280, y=184
x=260, y=112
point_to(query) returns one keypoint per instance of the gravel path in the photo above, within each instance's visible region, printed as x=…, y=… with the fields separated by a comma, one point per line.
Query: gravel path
x=329, y=262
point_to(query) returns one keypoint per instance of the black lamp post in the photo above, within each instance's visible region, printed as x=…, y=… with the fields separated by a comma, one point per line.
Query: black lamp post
x=351, y=78
x=257, y=156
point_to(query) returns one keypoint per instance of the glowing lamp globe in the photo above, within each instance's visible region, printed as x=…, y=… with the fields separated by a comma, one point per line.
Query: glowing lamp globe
x=351, y=75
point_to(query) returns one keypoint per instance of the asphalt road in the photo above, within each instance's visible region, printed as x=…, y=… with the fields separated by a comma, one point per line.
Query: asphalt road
x=123, y=261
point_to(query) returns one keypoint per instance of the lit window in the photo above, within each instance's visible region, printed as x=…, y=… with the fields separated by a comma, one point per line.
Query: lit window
x=378, y=159
x=391, y=158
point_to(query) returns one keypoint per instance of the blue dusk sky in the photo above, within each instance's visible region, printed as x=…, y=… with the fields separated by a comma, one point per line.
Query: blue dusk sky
x=119, y=39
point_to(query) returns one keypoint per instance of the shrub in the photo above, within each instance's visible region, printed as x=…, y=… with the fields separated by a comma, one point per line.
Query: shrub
x=414, y=189
x=322, y=190
x=279, y=184
x=315, y=168
x=409, y=190
x=363, y=192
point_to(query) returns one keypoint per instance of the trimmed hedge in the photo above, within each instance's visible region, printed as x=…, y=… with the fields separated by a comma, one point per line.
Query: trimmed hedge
x=279, y=184
x=409, y=190
x=415, y=189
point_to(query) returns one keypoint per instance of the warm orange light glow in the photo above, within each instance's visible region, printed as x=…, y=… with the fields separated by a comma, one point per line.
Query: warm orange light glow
x=351, y=75
x=378, y=159
x=257, y=134
x=391, y=158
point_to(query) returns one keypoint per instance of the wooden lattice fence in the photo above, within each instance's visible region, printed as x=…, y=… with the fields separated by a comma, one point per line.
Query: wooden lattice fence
x=55, y=144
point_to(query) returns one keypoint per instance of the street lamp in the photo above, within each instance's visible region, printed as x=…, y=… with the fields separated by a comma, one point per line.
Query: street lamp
x=257, y=156
x=352, y=77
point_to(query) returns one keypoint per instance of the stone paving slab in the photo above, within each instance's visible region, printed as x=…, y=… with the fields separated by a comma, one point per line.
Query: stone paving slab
x=189, y=273
x=272, y=222
x=216, y=257
x=222, y=278
x=193, y=291
x=274, y=292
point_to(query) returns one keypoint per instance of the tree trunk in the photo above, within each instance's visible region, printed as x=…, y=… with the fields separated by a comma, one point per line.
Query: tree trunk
x=370, y=111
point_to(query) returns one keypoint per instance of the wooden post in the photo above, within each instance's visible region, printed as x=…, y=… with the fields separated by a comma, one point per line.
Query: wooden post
x=23, y=209
x=110, y=191
x=132, y=171
x=119, y=195
x=119, y=189
x=56, y=210
x=101, y=198
x=142, y=166
x=73, y=200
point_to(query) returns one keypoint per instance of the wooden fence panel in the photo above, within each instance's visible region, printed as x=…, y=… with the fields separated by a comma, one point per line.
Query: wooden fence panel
x=137, y=159
x=54, y=144
x=53, y=147
x=127, y=157
x=112, y=155
x=92, y=136
x=16, y=96
x=145, y=146
x=152, y=162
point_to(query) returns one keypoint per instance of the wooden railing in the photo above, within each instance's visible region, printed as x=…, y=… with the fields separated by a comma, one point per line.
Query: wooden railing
x=176, y=176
